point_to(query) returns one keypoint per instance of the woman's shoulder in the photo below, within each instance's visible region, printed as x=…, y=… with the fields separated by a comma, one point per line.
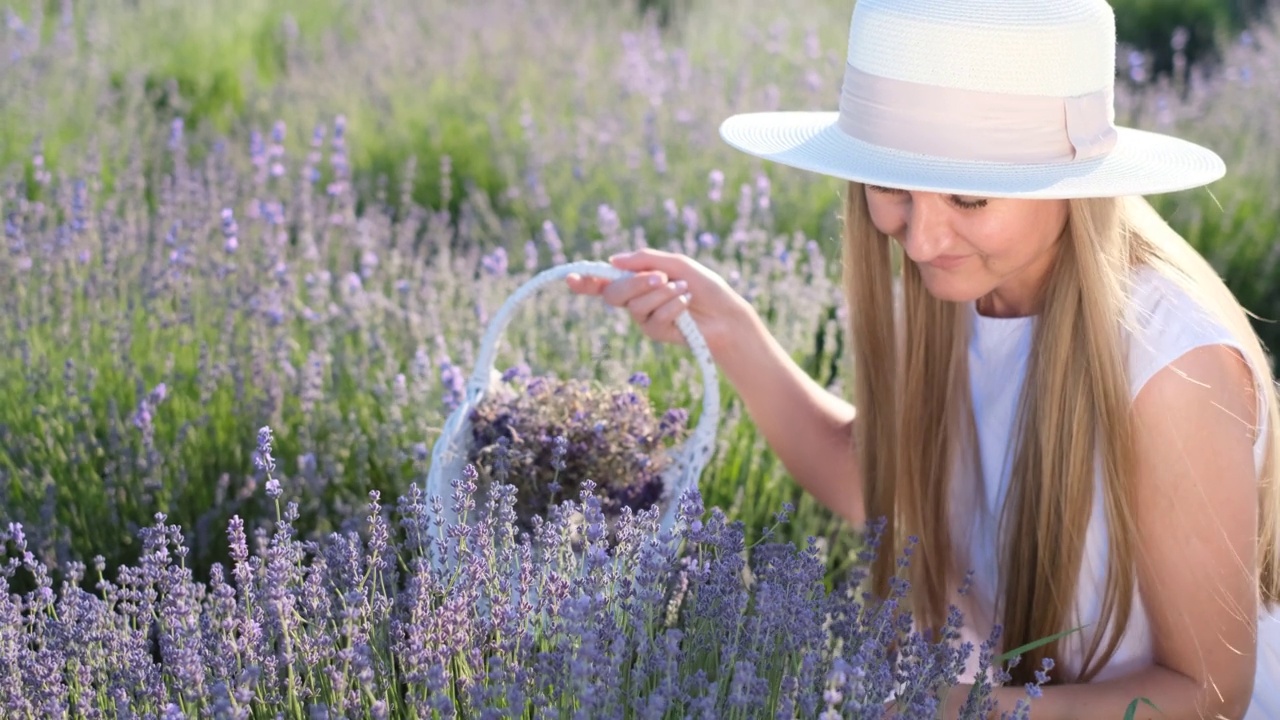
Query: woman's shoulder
x=1163, y=323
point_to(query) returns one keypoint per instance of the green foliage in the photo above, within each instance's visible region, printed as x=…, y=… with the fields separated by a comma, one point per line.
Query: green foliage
x=1241, y=239
x=202, y=61
x=1132, y=711
x=1151, y=27
x=665, y=12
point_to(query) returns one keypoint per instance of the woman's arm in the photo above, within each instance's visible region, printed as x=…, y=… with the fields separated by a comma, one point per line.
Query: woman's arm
x=808, y=428
x=1197, y=519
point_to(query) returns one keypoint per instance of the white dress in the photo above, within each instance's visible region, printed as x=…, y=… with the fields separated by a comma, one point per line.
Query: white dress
x=1165, y=325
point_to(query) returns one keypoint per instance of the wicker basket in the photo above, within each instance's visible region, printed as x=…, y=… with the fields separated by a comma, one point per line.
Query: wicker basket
x=449, y=456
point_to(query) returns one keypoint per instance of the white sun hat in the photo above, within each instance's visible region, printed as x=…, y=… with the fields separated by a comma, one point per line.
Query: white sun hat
x=996, y=98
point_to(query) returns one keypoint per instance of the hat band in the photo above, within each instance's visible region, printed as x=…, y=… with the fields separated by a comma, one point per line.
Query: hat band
x=975, y=125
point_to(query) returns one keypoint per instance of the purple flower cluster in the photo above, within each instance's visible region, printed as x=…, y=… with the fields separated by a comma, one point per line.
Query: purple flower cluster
x=689, y=622
x=548, y=437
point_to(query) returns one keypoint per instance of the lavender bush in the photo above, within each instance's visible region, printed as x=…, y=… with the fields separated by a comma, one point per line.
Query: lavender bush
x=548, y=437
x=671, y=624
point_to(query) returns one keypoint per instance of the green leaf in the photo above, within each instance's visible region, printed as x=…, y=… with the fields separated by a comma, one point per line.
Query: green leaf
x=1133, y=708
x=1005, y=657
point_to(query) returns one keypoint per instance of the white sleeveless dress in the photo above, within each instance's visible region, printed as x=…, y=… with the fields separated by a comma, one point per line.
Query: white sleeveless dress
x=1165, y=325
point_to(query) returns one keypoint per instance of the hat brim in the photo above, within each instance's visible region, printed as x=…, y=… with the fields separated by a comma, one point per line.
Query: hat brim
x=1141, y=163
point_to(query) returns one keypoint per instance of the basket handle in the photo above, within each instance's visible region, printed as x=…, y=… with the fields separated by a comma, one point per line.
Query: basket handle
x=697, y=448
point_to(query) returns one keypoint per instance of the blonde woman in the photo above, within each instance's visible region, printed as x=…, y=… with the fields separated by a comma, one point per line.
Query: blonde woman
x=1064, y=398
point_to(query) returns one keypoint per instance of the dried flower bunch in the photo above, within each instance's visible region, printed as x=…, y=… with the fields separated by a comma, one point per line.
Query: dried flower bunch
x=689, y=622
x=548, y=437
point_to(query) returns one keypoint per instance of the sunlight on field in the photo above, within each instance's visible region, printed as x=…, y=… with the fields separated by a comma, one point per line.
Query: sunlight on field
x=230, y=214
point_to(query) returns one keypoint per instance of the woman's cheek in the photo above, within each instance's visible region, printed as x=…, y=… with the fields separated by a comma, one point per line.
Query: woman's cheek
x=887, y=218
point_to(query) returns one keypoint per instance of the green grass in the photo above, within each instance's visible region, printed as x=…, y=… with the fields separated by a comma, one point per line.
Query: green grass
x=207, y=62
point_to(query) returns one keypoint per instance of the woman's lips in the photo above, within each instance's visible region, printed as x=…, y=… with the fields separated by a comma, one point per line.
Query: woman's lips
x=947, y=262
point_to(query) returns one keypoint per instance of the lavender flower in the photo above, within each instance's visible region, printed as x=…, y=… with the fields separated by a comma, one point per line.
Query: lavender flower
x=332, y=628
x=716, y=193
x=559, y=447
x=229, y=231
x=495, y=263
x=262, y=458
x=549, y=437
x=455, y=384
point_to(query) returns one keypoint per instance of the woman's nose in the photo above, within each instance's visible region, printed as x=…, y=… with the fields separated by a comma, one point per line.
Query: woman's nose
x=926, y=235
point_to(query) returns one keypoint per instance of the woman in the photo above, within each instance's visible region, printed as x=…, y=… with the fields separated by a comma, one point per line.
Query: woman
x=1063, y=398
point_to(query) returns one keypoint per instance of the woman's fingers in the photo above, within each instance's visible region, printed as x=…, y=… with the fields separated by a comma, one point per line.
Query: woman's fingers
x=650, y=259
x=618, y=293
x=662, y=320
x=621, y=293
x=661, y=287
x=702, y=281
x=671, y=265
x=585, y=285
x=651, y=269
x=643, y=306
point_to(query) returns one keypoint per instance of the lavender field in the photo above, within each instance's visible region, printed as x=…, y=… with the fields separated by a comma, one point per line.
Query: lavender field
x=250, y=248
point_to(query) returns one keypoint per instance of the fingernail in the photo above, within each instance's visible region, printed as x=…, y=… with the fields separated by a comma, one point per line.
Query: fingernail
x=621, y=255
x=680, y=286
x=654, y=281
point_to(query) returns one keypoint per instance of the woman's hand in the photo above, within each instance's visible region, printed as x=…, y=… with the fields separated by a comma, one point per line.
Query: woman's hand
x=665, y=285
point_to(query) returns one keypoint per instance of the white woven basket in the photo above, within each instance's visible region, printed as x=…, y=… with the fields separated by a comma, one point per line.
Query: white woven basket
x=686, y=461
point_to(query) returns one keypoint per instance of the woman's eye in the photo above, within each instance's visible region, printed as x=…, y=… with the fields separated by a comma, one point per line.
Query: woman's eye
x=960, y=202
x=968, y=204
x=886, y=190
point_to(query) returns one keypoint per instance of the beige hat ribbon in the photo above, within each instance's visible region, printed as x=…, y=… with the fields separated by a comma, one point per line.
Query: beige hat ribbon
x=975, y=125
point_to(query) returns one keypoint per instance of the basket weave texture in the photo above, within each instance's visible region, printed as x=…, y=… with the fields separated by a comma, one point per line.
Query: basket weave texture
x=686, y=461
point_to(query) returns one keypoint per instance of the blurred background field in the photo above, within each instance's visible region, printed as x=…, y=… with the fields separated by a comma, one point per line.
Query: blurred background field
x=299, y=213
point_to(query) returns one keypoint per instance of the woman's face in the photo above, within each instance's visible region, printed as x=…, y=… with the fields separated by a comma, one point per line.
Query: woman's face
x=995, y=251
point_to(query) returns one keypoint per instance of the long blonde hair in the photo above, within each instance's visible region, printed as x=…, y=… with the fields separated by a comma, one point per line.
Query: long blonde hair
x=915, y=419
